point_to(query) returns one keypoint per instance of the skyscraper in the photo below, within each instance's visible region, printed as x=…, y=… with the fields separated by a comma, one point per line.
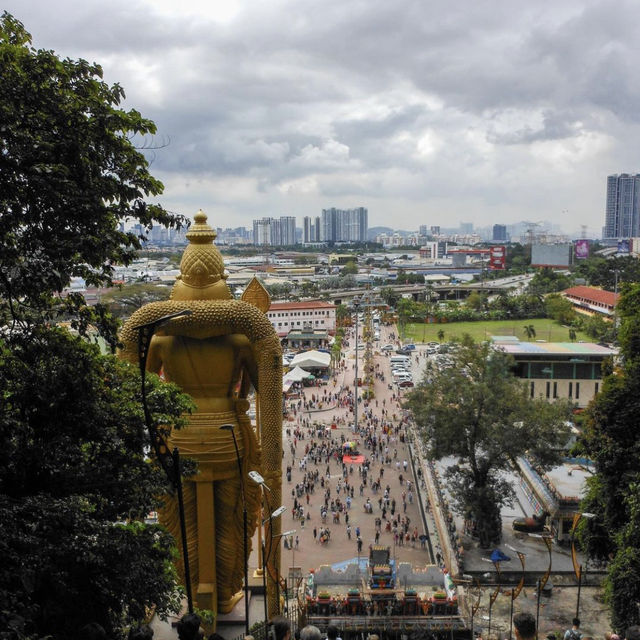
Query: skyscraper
x=344, y=225
x=275, y=231
x=499, y=233
x=287, y=230
x=622, y=215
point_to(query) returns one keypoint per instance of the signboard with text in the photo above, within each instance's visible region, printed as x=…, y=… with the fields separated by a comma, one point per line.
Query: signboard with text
x=497, y=256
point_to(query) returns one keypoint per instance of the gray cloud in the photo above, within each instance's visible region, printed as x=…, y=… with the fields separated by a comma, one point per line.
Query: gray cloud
x=425, y=111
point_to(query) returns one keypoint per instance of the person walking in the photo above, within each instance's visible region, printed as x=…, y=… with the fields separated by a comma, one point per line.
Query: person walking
x=574, y=633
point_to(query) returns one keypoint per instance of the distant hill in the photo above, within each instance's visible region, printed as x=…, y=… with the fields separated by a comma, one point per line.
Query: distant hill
x=372, y=232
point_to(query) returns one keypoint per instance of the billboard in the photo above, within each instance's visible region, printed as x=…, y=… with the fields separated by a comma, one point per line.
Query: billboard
x=623, y=246
x=582, y=249
x=497, y=256
x=551, y=255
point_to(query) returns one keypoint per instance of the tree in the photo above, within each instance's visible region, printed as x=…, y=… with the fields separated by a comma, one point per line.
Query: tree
x=612, y=441
x=390, y=296
x=573, y=335
x=75, y=483
x=350, y=268
x=69, y=173
x=475, y=301
x=124, y=301
x=559, y=308
x=75, y=487
x=546, y=280
x=478, y=412
x=440, y=335
x=530, y=331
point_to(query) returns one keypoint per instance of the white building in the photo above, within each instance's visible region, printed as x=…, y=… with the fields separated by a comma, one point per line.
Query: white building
x=314, y=314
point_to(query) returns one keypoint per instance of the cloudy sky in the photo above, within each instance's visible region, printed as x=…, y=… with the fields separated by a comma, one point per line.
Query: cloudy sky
x=424, y=111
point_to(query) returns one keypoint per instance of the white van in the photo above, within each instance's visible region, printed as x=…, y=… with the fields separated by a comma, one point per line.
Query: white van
x=399, y=359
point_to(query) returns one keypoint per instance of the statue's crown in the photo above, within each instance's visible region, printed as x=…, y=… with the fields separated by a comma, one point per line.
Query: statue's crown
x=201, y=265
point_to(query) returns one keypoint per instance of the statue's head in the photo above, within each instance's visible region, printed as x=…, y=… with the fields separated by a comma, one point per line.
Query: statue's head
x=202, y=274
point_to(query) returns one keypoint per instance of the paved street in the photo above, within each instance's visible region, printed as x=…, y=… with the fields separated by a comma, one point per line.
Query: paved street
x=381, y=414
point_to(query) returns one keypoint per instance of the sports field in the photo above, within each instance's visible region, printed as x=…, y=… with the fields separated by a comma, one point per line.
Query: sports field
x=545, y=329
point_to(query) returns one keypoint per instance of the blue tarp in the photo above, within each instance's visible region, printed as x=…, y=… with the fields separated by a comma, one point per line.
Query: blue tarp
x=498, y=556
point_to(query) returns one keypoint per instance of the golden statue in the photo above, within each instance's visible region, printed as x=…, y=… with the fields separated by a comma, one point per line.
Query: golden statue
x=216, y=355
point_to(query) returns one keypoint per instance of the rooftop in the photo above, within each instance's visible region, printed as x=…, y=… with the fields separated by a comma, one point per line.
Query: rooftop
x=309, y=304
x=592, y=294
x=517, y=348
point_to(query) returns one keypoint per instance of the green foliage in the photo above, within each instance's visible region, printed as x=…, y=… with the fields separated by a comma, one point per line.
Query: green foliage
x=69, y=174
x=478, y=412
x=75, y=483
x=350, y=268
x=72, y=467
x=603, y=272
x=390, y=296
x=559, y=308
x=129, y=298
x=476, y=301
x=612, y=441
x=547, y=280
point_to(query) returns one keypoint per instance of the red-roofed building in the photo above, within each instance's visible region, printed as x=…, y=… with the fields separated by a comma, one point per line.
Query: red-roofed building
x=311, y=314
x=590, y=300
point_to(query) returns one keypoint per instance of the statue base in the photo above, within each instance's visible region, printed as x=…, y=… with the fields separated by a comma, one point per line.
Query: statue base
x=226, y=606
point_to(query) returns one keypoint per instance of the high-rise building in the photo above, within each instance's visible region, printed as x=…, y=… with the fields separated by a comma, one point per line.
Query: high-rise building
x=262, y=231
x=499, y=233
x=422, y=230
x=622, y=215
x=344, y=225
x=435, y=230
x=466, y=227
x=275, y=231
x=287, y=231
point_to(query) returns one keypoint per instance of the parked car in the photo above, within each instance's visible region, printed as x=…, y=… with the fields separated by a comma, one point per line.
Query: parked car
x=405, y=383
x=403, y=352
x=387, y=347
x=409, y=347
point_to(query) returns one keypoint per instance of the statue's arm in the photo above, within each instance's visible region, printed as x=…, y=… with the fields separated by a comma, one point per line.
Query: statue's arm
x=154, y=357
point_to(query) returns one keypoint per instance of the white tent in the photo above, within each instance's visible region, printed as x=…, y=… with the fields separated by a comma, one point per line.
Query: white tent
x=312, y=360
x=297, y=374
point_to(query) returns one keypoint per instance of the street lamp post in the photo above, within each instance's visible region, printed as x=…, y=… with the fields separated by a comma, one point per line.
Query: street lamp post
x=540, y=584
x=229, y=427
x=258, y=479
x=577, y=568
x=278, y=538
x=356, y=307
x=170, y=462
x=515, y=592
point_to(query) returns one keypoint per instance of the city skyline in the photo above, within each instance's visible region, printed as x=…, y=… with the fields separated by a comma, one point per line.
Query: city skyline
x=460, y=113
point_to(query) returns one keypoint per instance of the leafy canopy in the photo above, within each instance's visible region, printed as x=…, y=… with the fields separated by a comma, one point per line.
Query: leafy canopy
x=70, y=173
x=75, y=484
x=477, y=412
x=72, y=466
x=612, y=440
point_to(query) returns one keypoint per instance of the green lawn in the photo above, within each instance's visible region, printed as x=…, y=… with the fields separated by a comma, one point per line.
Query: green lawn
x=545, y=330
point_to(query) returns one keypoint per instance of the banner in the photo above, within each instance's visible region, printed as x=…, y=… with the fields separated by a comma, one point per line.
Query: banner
x=497, y=256
x=623, y=246
x=582, y=249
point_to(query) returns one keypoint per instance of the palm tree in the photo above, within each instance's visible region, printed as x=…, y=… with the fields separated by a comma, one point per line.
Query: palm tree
x=572, y=335
x=441, y=335
x=530, y=331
